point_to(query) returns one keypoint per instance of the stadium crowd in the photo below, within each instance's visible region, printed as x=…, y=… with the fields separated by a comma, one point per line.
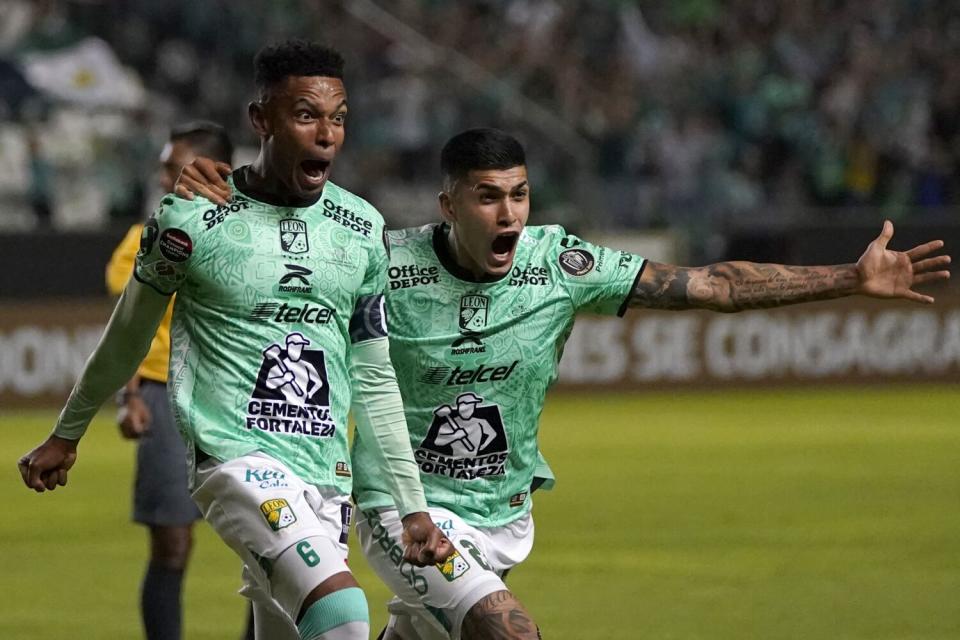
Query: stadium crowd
x=693, y=114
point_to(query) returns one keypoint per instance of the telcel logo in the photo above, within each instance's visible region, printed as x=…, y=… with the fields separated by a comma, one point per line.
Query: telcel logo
x=290, y=314
x=461, y=376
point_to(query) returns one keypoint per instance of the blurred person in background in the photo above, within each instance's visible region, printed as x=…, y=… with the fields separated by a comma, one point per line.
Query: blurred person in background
x=40, y=191
x=480, y=306
x=161, y=498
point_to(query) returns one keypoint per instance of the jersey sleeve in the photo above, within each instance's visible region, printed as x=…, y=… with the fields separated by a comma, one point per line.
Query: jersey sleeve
x=369, y=320
x=166, y=246
x=597, y=279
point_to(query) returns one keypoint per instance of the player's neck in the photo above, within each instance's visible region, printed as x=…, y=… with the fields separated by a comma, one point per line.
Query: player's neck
x=462, y=258
x=455, y=259
x=260, y=183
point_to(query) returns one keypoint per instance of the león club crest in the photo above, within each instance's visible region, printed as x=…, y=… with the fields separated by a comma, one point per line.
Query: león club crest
x=293, y=236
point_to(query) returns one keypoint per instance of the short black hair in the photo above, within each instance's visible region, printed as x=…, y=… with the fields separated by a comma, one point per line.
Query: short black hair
x=275, y=62
x=207, y=139
x=480, y=149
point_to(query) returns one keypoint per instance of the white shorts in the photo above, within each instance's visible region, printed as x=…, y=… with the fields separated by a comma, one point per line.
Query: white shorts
x=437, y=599
x=290, y=535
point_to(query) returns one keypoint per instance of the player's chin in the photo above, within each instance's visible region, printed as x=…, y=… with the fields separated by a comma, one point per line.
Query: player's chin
x=309, y=189
x=499, y=264
x=310, y=185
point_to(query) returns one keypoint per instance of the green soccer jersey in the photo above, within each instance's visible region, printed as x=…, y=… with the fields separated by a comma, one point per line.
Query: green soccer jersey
x=269, y=300
x=474, y=361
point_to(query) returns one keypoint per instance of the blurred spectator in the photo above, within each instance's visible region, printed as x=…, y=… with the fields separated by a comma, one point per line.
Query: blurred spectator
x=688, y=113
x=40, y=192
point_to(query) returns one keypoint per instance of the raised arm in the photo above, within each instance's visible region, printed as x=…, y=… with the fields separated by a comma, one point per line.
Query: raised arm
x=121, y=349
x=738, y=286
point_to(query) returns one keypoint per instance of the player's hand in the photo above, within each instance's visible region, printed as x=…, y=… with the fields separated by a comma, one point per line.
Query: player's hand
x=287, y=377
x=133, y=418
x=46, y=466
x=204, y=177
x=893, y=274
x=423, y=543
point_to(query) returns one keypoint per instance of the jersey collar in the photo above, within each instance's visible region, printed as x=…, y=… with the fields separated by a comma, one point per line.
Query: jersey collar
x=441, y=246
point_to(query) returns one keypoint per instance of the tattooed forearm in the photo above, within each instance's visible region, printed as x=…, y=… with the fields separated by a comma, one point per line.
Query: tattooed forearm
x=737, y=286
x=498, y=616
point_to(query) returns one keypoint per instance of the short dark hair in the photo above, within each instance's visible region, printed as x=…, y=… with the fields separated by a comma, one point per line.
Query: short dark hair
x=480, y=149
x=275, y=62
x=207, y=139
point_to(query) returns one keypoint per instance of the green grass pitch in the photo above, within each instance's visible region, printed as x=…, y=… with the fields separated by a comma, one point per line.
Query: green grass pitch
x=800, y=514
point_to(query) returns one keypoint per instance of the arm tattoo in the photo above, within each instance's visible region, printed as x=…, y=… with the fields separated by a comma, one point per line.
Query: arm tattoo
x=499, y=616
x=737, y=286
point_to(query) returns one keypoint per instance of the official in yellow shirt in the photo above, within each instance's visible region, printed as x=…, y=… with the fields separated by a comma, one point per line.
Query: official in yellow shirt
x=119, y=269
x=161, y=500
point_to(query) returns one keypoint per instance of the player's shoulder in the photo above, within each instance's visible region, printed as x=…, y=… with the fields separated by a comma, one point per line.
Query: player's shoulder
x=352, y=211
x=566, y=255
x=412, y=245
x=174, y=211
x=412, y=236
x=548, y=241
x=545, y=235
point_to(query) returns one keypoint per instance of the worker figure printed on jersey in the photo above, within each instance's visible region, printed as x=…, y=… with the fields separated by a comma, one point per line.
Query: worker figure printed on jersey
x=466, y=440
x=293, y=371
x=291, y=395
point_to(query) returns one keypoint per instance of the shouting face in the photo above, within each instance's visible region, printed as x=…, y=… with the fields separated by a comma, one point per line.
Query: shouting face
x=487, y=210
x=300, y=122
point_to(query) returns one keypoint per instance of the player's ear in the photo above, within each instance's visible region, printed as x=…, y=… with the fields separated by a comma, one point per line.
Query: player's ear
x=257, y=112
x=446, y=207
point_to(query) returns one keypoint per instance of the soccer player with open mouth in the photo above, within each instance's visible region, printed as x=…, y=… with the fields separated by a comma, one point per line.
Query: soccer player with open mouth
x=273, y=341
x=477, y=346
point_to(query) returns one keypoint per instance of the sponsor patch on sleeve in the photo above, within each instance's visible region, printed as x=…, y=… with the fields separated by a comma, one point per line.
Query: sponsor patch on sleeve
x=576, y=262
x=175, y=245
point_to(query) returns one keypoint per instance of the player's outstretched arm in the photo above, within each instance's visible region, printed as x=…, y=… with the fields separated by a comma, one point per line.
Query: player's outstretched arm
x=737, y=286
x=204, y=177
x=121, y=349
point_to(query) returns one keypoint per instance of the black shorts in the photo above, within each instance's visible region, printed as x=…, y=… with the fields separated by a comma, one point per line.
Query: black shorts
x=160, y=495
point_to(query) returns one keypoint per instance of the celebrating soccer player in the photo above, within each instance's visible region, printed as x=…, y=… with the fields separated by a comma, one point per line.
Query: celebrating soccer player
x=279, y=324
x=480, y=306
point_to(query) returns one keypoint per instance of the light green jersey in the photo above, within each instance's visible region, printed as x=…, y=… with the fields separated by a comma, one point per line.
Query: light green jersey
x=474, y=361
x=269, y=300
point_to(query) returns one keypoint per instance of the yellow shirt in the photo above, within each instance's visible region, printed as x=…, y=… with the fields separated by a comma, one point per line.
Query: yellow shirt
x=119, y=270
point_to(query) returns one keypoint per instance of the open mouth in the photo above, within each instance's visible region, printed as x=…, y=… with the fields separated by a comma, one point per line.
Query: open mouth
x=504, y=243
x=315, y=170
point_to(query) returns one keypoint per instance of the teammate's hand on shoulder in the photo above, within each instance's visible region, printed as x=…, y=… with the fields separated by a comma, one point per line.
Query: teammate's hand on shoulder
x=423, y=543
x=133, y=417
x=204, y=177
x=46, y=466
